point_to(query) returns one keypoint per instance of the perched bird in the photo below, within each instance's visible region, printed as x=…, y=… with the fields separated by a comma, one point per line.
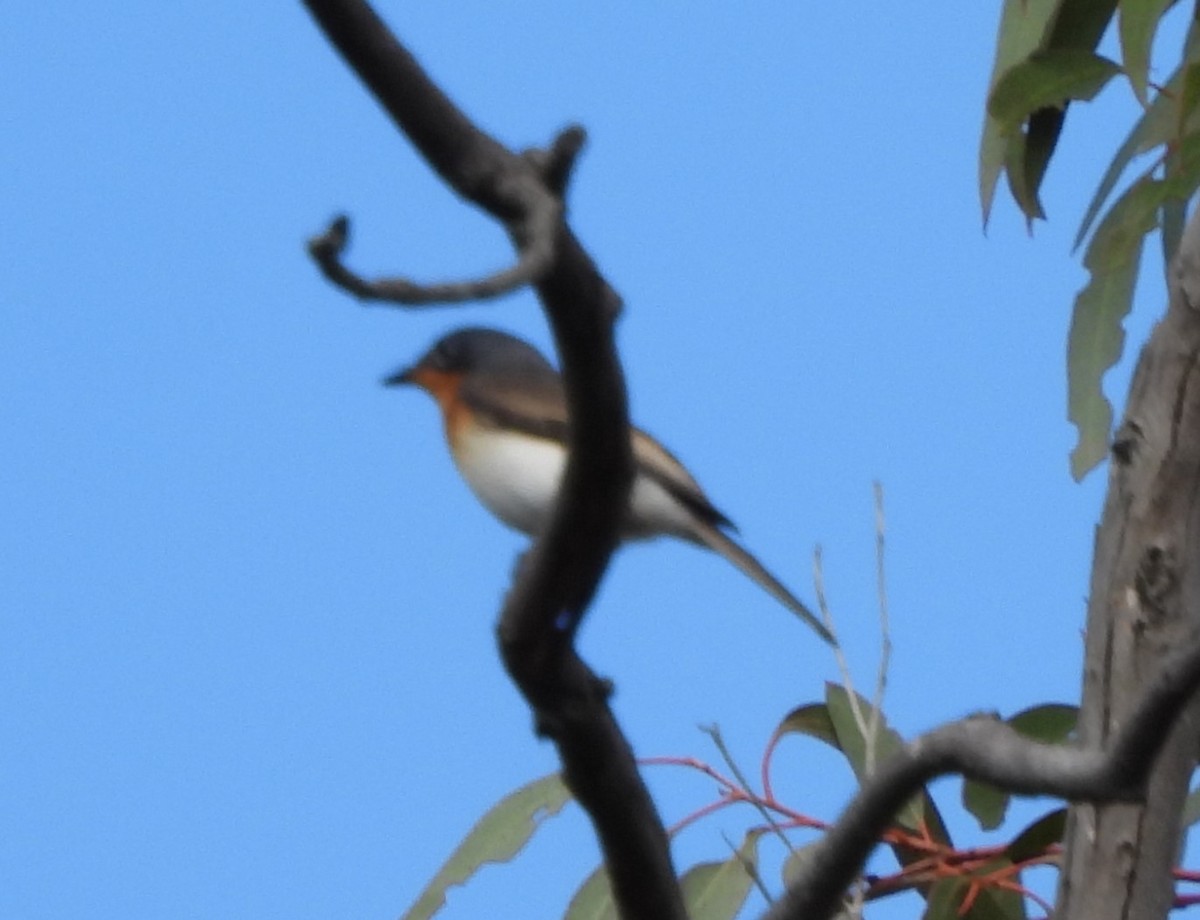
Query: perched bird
x=505, y=415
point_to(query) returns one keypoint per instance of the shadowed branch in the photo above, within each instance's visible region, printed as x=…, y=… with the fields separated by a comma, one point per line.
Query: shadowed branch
x=559, y=575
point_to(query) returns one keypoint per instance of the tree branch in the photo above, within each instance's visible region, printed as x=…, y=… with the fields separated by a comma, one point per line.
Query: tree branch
x=327, y=248
x=560, y=573
x=554, y=166
x=990, y=751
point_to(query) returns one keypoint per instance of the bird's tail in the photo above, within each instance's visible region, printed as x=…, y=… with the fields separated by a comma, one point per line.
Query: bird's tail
x=719, y=542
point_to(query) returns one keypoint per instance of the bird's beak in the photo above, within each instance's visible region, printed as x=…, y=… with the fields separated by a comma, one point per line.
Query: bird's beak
x=401, y=378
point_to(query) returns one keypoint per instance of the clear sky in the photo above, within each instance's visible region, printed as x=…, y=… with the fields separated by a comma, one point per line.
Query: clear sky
x=246, y=657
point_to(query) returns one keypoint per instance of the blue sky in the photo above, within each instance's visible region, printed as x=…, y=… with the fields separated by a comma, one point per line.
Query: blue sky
x=246, y=655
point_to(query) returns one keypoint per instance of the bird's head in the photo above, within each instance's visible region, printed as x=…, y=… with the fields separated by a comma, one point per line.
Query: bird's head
x=471, y=351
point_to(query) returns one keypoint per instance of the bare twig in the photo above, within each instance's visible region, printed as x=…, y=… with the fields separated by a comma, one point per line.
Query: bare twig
x=327, y=249
x=885, y=633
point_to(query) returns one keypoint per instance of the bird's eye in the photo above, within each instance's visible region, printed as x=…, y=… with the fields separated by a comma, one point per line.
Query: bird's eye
x=446, y=357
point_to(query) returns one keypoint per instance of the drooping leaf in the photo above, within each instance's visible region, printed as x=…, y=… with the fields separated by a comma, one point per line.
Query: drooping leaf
x=1031, y=31
x=1113, y=256
x=1094, y=345
x=989, y=901
x=1028, y=156
x=948, y=895
x=1023, y=27
x=1118, y=239
x=497, y=837
x=994, y=903
x=1171, y=115
x=711, y=890
x=920, y=813
x=945, y=899
x=1189, y=96
x=852, y=738
x=1154, y=128
x=1138, y=23
x=1048, y=79
x=718, y=890
x=812, y=720
x=1097, y=337
x=795, y=862
x=1171, y=221
x=1038, y=836
x=1034, y=94
x=1050, y=723
x=1181, y=179
x=1080, y=23
x=987, y=803
x=593, y=900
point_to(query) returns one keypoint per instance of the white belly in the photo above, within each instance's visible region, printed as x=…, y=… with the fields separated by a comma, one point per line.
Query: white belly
x=516, y=477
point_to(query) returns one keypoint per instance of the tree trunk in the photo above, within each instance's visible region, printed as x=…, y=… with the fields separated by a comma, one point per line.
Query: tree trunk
x=1145, y=599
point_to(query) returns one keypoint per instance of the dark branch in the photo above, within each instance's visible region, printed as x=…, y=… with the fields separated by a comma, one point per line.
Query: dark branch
x=987, y=750
x=557, y=163
x=327, y=250
x=559, y=575
x=524, y=193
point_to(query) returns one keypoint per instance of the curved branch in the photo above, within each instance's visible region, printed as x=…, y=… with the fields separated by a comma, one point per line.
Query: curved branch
x=327, y=248
x=560, y=573
x=990, y=751
x=523, y=192
x=534, y=236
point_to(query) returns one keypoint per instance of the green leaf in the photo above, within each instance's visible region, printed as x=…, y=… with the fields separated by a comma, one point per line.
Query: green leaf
x=851, y=738
x=1030, y=32
x=1188, y=97
x=794, y=864
x=1171, y=115
x=841, y=732
x=1035, y=92
x=1172, y=219
x=1097, y=337
x=1038, y=836
x=812, y=720
x=944, y=899
x=1094, y=345
x=1081, y=23
x=1050, y=723
x=987, y=803
x=996, y=904
x=1023, y=26
x=497, y=837
x=1155, y=127
x=1028, y=156
x=593, y=900
x=1118, y=240
x=920, y=813
x=711, y=890
x=1048, y=79
x=717, y=890
x=1179, y=168
x=1138, y=23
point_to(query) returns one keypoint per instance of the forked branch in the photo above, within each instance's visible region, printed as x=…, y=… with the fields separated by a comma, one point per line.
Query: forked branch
x=559, y=575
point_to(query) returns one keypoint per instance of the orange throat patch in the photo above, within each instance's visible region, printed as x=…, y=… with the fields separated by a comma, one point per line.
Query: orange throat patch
x=445, y=387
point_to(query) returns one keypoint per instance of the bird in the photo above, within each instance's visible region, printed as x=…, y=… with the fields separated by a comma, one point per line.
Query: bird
x=504, y=414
